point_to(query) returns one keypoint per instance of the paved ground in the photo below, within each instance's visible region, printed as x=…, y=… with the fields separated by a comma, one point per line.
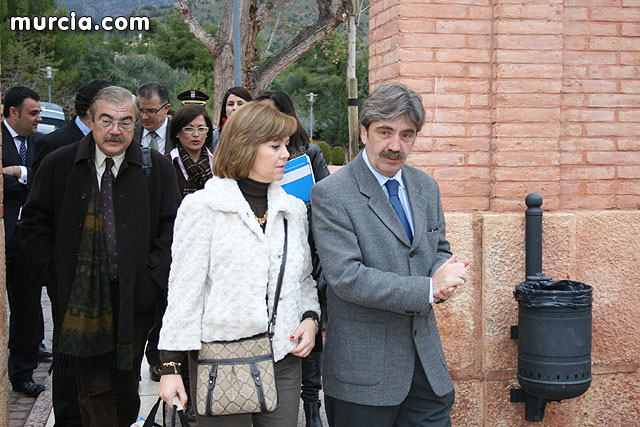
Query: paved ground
x=32, y=412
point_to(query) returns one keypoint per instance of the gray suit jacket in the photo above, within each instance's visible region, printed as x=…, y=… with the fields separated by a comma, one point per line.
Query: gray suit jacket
x=137, y=134
x=379, y=316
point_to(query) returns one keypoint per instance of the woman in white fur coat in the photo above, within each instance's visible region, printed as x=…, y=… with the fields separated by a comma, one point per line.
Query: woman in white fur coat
x=226, y=255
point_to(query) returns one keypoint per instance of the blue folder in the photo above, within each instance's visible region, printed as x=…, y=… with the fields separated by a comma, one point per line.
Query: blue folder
x=298, y=178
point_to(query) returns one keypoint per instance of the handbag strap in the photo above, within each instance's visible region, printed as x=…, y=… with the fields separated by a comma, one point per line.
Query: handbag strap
x=272, y=321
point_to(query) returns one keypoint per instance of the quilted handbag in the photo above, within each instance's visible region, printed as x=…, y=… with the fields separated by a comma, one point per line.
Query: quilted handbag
x=238, y=377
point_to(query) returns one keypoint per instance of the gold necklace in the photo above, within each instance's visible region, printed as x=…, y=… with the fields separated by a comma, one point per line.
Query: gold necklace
x=262, y=220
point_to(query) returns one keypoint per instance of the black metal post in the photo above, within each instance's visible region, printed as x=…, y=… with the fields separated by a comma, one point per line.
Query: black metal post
x=533, y=234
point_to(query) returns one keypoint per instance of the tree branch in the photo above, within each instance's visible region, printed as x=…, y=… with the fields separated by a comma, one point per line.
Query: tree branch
x=196, y=29
x=331, y=14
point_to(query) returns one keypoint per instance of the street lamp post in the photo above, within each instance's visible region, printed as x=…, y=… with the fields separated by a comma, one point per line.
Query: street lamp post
x=49, y=74
x=312, y=97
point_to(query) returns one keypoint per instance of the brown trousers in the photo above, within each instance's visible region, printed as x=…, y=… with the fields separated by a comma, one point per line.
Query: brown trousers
x=288, y=377
x=101, y=405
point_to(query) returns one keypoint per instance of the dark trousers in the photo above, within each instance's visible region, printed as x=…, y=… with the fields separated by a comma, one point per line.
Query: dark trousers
x=26, y=327
x=152, y=352
x=288, y=377
x=101, y=405
x=311, y=377
x=64, y=392
x=421, y=407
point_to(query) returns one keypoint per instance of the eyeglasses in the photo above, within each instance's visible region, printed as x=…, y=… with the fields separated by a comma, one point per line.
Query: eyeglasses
x=126, y=124
x=189, y=130
x=152, y=112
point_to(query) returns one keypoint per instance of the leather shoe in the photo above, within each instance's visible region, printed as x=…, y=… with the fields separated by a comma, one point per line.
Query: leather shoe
x=28, y=388
x=44, y=353
x=154, y=370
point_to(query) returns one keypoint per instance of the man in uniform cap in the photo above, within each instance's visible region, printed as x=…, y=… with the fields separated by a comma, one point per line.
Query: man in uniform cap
x=193, y=96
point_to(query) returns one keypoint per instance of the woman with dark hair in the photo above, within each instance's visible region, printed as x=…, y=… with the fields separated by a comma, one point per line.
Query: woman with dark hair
x=233, y=99
x=299, y=145
x=228, y=249
x=190, y=134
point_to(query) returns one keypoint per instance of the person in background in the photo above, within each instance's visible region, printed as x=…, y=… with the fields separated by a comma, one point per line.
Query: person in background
x=311, y=365
x=234, y=228
x=98, y=231
x=76, y=128
x=233, y=99
x=64, y=392
x=190, y=136
x=380, y=234
x=193, y=96
x=151, y=131
x=26, y=328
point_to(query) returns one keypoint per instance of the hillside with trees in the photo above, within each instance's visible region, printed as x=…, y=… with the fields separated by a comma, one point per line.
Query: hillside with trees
x=169, y=53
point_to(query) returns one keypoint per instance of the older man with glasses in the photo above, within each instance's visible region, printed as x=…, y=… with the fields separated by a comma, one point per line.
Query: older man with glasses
x=98, y=231
x=151, y=131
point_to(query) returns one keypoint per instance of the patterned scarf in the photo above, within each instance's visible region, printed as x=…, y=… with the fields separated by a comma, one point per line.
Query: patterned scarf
x=199, y=172
x=88, y=337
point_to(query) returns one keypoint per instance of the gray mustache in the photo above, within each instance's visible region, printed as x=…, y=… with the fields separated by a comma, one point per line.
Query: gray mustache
x=394, y=155
x=114, y=138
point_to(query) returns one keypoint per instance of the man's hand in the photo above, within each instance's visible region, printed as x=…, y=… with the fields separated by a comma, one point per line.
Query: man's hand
x=12, y=170
x=448, y=277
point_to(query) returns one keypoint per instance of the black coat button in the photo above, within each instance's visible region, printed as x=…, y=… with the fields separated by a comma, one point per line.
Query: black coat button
x=80, y=226
x=83, y=196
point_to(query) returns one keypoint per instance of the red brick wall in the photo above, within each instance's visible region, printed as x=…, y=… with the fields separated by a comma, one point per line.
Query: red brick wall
x=538, y=96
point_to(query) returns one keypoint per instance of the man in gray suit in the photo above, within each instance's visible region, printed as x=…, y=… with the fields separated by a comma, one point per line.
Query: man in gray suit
x=380, y=233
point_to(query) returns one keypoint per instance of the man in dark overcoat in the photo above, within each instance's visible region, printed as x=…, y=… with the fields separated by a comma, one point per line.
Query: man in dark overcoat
x=99, y=231
x=64, y=393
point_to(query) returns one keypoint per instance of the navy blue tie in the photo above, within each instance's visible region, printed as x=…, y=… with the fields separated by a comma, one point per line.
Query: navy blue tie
x=106, y=190
x=392, y=186
x=23, y=149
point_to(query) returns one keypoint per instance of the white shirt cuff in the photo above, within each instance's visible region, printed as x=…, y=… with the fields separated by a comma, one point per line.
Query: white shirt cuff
x=430, y=290
x=23, y=175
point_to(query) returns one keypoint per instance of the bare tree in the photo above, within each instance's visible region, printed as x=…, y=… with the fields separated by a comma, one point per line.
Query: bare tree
x=253, y=17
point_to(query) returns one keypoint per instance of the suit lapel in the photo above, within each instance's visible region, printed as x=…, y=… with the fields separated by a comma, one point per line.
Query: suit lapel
x=378, y=200
x=10, y=153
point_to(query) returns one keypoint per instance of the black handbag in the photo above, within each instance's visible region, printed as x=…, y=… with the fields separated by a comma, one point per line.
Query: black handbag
x=150, y=421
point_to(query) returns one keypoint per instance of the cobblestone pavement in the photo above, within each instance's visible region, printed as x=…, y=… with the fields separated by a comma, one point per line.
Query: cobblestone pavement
x=30, y=411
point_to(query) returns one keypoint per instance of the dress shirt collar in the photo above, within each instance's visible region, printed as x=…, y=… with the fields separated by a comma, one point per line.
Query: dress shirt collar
x=100, y=161
x=161, y=131
x=83, y=128
x=10, y=129
x=381, y=178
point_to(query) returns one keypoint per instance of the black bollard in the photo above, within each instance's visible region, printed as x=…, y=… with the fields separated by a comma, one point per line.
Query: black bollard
x=533, y=234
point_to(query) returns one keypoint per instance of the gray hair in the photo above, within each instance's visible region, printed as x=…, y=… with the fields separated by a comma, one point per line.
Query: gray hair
x=390, y=101
x=115, y=95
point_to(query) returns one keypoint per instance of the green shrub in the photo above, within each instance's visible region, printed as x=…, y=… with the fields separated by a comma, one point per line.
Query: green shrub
x=337, y=155
x=326, y=150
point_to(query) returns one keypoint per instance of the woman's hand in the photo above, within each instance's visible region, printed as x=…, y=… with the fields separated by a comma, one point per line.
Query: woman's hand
x=306, y=332
x=170, y=386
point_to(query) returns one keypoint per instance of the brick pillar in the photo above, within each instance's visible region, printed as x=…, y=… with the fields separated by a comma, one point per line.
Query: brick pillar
x=527, y=98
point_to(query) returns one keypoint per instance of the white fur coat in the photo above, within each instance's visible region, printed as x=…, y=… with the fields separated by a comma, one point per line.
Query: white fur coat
x=222, y=263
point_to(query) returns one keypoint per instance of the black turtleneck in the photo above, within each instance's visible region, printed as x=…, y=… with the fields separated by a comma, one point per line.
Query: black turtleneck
x=256, y=195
